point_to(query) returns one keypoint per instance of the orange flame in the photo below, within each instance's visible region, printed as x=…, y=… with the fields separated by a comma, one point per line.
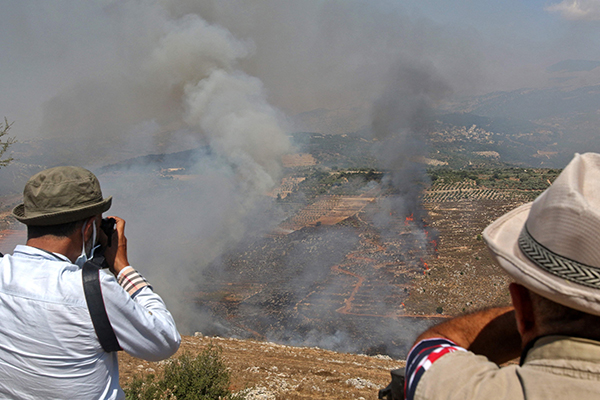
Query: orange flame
x=425, y=267
x=433, y=242
x=408, y=219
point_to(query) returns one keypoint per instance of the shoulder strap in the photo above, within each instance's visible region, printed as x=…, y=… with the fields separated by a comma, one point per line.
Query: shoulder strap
x=95, y=303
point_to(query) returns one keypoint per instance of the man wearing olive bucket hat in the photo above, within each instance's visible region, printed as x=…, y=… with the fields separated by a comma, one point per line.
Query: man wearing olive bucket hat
x=57, y=310
x=551, y=248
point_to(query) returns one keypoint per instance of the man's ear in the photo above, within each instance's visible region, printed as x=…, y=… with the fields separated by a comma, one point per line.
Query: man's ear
x=88, y=230
x=524, y=314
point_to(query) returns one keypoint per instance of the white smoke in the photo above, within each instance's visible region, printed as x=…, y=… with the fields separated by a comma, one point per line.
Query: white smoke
x=179, y=86
x=226, y=105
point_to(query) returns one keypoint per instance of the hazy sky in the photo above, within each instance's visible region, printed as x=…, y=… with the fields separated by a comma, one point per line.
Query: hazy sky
x=308, y=54
x=548, y=29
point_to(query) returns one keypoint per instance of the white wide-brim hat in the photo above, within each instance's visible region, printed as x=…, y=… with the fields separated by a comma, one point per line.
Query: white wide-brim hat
x=552, y=246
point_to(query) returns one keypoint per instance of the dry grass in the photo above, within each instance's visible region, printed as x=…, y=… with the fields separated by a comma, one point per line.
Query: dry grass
x=285, y=372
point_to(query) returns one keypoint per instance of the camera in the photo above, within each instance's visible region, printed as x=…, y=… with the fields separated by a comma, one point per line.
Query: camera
x=108, y=226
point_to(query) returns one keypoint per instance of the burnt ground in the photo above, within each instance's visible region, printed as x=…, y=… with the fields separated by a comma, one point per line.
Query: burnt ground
x=348, y=287
x=461, y=277
x=359, y=286
x=340, y=287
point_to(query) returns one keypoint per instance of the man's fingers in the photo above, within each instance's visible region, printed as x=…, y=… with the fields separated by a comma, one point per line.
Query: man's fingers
x=120, y=225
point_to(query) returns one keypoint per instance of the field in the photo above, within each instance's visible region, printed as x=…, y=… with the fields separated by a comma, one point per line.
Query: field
x=332, y=276
x=343, y=273
x=457, y=276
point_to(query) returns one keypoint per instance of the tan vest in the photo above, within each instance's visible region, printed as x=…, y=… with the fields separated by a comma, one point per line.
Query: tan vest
x=557, y=367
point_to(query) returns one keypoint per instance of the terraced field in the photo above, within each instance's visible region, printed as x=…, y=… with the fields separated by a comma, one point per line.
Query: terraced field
x=327, y=210
x=469, y=190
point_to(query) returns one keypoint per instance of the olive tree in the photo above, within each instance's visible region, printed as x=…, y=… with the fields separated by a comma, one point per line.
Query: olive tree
x=5, y=142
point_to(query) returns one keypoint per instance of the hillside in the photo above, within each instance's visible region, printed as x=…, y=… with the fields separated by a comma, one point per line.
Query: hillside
x=566, y=116
x=276, y=372
x=458, y=277
x=382, y=296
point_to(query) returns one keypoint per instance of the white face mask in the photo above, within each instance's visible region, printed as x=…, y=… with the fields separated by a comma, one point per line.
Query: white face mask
x=82, y=259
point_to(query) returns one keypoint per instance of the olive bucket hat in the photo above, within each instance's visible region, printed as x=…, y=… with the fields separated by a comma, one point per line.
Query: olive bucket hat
x=60, y=195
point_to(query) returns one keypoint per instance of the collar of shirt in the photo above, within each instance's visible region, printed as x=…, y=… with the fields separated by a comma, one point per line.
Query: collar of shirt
x=29, y=252
x=550, y=349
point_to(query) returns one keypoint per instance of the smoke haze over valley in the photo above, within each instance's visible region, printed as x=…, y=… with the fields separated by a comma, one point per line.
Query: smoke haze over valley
x=186, y=108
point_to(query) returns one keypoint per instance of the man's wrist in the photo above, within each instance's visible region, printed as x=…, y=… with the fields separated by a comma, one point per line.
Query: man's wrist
x=132, y=281
x=119, y=265
x=123, y=271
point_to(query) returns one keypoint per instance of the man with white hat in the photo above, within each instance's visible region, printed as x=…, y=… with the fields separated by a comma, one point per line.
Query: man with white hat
x=551, y=248
x=61, y=318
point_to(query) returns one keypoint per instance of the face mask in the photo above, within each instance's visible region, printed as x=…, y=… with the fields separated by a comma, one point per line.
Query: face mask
x=83, y=258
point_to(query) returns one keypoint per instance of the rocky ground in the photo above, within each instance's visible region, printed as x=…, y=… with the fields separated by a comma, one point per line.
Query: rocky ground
x=462, y=276
x=268, y=371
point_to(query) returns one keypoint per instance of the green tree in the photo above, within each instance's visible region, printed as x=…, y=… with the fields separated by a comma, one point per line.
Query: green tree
x=201, y=377
x=5, y=142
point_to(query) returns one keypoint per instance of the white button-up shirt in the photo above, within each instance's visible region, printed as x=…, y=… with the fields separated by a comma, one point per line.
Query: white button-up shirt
x=48, y=346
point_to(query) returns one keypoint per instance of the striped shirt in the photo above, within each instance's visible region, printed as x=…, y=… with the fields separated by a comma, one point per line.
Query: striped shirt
x=132, y=281
x=421, y=357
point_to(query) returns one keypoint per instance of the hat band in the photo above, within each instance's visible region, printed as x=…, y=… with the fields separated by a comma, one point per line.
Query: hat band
x=556, y=264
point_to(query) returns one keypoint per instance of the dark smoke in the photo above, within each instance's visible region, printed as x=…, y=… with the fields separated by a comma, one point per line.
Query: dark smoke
x=400, y=123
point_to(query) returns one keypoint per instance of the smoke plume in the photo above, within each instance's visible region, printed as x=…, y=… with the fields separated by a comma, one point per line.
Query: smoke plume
x=172, y=83
x=113, y=80
x=400, y=124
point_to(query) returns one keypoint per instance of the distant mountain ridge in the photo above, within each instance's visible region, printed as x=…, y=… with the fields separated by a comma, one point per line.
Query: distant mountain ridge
x=527, y=127
x=573, y=66
x=571, y=115
x=537, y=104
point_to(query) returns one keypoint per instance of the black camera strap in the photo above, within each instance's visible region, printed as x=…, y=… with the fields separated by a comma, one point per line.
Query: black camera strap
x=93, y=296
x=95, y=302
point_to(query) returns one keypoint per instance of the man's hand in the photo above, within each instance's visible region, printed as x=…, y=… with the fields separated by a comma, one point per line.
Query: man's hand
x=116, y=254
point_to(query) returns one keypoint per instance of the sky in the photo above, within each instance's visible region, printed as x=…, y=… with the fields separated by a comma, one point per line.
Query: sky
x=308, y=55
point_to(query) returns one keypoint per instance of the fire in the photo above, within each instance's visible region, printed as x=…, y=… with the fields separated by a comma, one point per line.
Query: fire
x=408, y=219
x=425, y=267
x=431, y=240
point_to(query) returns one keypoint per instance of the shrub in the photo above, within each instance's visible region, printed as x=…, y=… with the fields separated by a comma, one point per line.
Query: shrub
x=201, y=377
x=8, y=141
